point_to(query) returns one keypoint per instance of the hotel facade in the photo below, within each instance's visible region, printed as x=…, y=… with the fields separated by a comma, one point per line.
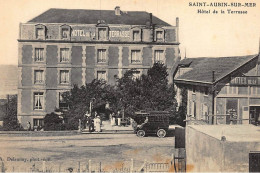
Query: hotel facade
x=62, y=47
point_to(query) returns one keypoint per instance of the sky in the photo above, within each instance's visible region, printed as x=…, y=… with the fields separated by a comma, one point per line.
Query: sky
x=200, y=35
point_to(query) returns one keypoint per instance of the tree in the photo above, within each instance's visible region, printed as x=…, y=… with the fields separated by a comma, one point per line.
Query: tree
x=182, y=111
x=149, y=92
x=52, y=122
x=10, y=121
x=98, y=92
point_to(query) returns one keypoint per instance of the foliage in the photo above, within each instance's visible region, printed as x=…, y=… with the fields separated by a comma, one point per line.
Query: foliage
x=149, y=92
x=53, y=122
x=10, y=121
x=182, y=111
x=78, y=99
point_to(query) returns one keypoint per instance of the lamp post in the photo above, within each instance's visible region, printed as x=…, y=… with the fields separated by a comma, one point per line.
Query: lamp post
x=91, y=105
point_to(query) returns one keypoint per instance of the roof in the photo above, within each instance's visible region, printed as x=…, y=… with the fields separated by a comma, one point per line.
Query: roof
x=233, y=133
x=201, y=68
x=81, y=16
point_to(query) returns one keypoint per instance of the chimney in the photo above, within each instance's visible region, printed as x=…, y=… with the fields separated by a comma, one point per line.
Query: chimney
x=151, y=19
x=177, y=21
x=117, y=11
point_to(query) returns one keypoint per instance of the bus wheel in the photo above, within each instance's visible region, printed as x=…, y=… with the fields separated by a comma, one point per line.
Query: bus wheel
x=140, y=133
x=161, y=133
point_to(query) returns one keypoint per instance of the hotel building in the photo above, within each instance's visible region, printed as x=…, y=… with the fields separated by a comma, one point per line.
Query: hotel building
x=63, y=47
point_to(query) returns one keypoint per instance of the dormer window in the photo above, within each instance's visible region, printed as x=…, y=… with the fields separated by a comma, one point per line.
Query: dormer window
x=102, y=33
x=159, y=35
x=65, y=32
x=136, y=34
x=40, y=31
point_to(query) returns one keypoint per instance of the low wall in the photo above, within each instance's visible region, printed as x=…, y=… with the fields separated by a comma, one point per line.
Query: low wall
x=207, y=153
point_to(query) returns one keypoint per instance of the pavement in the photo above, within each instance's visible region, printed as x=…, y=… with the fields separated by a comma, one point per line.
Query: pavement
x=109, y=129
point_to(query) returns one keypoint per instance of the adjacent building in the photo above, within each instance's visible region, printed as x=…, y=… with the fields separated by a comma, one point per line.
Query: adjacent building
x=63, y=47
x=220, y=90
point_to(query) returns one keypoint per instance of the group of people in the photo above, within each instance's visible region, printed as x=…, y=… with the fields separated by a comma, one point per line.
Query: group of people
x=93, y=124
x=115, y=119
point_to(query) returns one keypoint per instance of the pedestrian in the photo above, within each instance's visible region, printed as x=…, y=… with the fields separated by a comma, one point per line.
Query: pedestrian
x=113, y=120
x=29, y=126
x=90, y=123
x=95, y=121
x=98, y=124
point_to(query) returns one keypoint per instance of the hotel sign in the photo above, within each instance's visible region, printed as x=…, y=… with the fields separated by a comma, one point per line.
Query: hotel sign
x=82, y=33
x=245, y=80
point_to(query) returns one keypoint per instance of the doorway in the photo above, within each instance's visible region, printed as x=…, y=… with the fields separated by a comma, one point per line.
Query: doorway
x=254, y=115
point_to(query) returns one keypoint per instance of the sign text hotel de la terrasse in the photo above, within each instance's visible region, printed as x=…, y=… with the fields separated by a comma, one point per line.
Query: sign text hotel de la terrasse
x=246, y=80
x=83, y=33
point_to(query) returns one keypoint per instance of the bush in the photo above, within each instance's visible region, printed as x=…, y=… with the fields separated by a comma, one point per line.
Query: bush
x=52, y=122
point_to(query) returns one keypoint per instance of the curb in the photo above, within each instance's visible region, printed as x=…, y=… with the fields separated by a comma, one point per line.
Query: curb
x=111, y=132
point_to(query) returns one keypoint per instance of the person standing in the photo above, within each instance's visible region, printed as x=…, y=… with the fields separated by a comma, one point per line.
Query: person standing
x=98, y=124
x=90, y=123
x=95, y=121
x=113, y=120
x=28, y=126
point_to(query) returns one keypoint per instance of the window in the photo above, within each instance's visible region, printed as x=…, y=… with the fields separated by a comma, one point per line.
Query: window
x=253, y=90
x=136, y=35
x=193, y=109
x=159, y=36
x=64, y=76
x=38, y=77
x=159, y=56
x=205, y=110
x=101, y=55
x=101, y=75
x=64, y=55
x=38, y=122
x=135, y=56
x=102, y=33
x=62, y=104
x=38, y=101
x=39, y=52
x=231, y=89
x=65, y=33
x=40, y=33
x=136, y=74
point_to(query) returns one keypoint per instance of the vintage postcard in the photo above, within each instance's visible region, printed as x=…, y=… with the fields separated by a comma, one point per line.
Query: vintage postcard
x=129, y=86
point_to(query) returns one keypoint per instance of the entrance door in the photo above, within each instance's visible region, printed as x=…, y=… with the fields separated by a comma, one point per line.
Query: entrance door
x=254, y=115
x=232, y=111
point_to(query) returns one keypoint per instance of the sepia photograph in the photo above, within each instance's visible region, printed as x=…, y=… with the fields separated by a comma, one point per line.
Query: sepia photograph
x=93, y=86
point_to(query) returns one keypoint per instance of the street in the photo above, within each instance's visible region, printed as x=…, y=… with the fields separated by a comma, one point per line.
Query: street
x=20, y=152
